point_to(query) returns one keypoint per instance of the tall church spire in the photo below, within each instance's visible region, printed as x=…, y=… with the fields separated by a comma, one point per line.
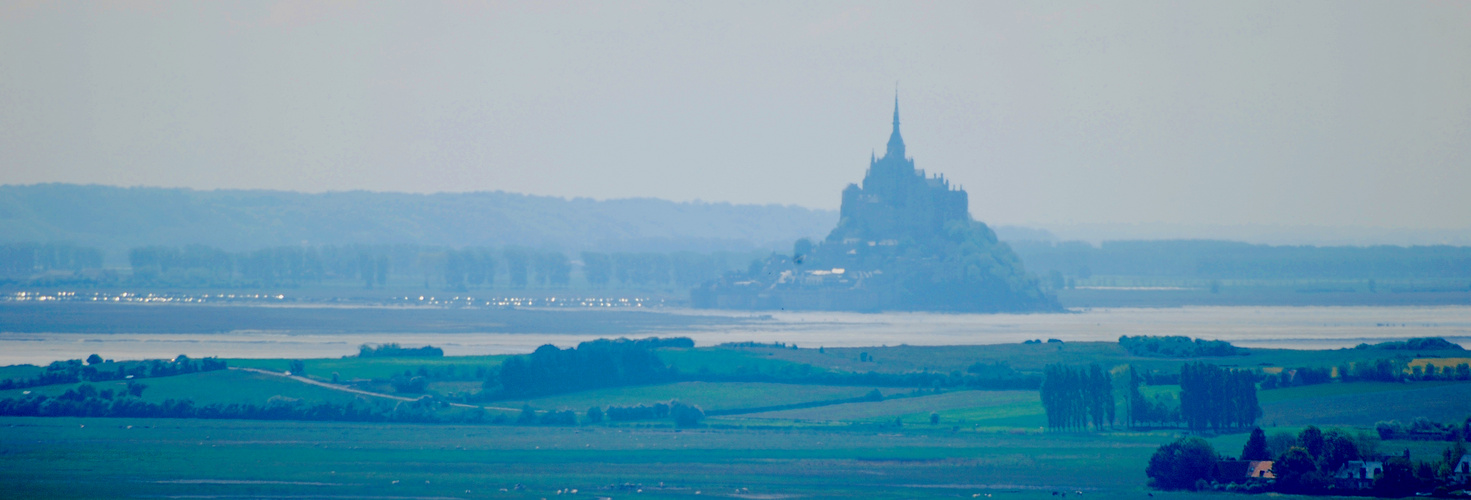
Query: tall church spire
x=896, y=142
x=896, y=111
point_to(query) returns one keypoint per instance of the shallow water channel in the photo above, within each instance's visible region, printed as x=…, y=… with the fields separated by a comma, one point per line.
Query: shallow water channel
x=1250, y=326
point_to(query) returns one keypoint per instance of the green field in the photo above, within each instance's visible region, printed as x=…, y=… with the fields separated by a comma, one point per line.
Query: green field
x=1034, y=357
x=1364, y=403
x=707, y=395
x=984, y=409
x=19, y=371
x=987, y=442
x=223, y=386
x=66, y=457
x=112, y=458
x=354, y=368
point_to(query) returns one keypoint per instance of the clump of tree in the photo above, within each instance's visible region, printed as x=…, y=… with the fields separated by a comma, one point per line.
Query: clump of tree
x=96, y=369
x=1397, y=370
x=1218, y=398
x=1298, y=377
x=393, y=350
x=1075, y=398
x=1415, y=344
x=1161, y=409
x=590, y=365
x=1178, y=347
x=638, y=412
x=684, y=415
x=1311, y=459
x=1379, y=370
x=1429, y=371
x=409, y=383
x=1185, y=463
x=1423, y=429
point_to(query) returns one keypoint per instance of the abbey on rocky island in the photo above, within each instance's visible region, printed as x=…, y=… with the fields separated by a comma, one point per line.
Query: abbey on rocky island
x=905, y=241
x=897, y=201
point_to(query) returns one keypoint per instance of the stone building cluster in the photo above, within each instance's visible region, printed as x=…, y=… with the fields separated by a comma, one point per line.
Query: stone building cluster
x=905, y=241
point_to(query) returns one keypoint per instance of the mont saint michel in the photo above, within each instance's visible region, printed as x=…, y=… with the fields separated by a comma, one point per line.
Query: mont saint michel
x=905, y=240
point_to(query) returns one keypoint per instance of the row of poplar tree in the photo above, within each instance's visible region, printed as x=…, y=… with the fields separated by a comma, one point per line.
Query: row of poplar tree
x=1211, y=397
x=1074, y=398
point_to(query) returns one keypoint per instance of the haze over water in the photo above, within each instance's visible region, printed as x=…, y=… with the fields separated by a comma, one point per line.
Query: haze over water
x=1247, y=326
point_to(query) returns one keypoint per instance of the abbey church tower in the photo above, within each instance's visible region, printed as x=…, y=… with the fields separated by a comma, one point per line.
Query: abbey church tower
x=896, y=201
x=905, y=241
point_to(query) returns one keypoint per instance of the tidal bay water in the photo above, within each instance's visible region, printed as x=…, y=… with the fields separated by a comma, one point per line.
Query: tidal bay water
x=1249, y=326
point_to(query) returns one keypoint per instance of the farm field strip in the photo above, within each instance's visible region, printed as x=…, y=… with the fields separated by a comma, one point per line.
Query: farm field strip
x=279, y=458
x=980, y=404
x=707, y=395
x=1437, y=401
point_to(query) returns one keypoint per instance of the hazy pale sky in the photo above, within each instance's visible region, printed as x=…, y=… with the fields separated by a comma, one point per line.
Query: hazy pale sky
x=1230, y=112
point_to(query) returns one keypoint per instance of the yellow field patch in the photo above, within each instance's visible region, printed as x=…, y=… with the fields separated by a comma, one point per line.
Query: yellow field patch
x=1439, y=362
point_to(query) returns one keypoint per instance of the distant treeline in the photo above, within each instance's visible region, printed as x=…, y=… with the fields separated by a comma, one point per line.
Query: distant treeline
x=1415, y=344
x=684, y=415
x=1208, y=259
x=395, y=351
x=1177, y=347
x=1423, y=429
x=119, y=218
x=23, y=260
x=96, y=369
x=438, y=267
x=590, y=365
x=616, y=363
x=1379, y=370
x=87, y=401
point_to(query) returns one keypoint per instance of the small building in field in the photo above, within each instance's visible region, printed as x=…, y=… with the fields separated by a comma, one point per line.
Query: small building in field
x=1261, y=470
x=1358, y=474
x=1461, y=473
x=1243, y=471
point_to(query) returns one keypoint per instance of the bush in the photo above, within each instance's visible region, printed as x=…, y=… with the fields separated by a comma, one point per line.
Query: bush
x=410, y=385
x=1179, y=465
x=1296, y=471
x=1256, y=446
x=686, y=415
x=1398, y=479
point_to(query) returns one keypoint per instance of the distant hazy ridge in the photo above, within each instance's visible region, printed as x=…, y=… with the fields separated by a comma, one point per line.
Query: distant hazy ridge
x=116, y=218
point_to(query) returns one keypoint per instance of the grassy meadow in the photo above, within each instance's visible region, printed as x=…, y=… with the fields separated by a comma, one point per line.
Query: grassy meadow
x=763, y=440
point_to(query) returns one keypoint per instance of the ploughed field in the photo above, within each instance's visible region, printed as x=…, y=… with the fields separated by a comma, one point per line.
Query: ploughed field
x=761, y=439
